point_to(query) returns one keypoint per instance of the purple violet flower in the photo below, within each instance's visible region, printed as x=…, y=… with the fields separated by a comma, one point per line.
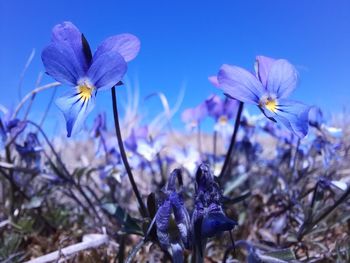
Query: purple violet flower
x=208, y=218
x=176, y=229
x=30, y=151
x=100, y=126
x=222, y=110
x=136, y=134
x=317, y=120
x=69, y=60
x=275, y=79
x=193, y=116
x=10, y=128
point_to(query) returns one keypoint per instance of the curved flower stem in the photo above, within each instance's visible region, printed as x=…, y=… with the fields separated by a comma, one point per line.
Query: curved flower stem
x=143, y=209
x=233, y=141
x=31, y=94
x=134, y=251
x=67, y=176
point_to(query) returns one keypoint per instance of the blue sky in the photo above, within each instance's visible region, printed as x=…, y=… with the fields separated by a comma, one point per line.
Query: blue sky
x=183, y=42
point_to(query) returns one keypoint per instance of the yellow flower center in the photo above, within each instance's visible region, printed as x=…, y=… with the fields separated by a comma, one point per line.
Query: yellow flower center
x=223, y=120
x=85, y=91
x=270, y=104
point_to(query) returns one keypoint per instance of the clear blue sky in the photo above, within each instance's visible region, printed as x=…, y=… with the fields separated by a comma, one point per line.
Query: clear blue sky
x=186, y=41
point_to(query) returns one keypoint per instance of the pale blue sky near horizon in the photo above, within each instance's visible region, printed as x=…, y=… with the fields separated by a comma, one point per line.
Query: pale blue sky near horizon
x=184, y=42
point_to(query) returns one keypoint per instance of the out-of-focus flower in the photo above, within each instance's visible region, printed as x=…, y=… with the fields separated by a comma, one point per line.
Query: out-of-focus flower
x=317, y=121
x=208, y=218
x=172, y=219
x=136, y=134
x=328, y=150
x=30, y=151
x=268, y=89
x=188, y=158
x=69, y=60
x=99, y=126
x=10, y=128
x=222, y=110
x=193, y=116
x=143, y=145
x=249, y=148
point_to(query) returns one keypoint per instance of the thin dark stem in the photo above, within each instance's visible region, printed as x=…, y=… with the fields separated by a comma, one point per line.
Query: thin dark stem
x=233, y=141
x=305, y=228
x=227, y=252
x=10, y=177
x=121, y=254
x=67, y=173
x=143, y=209
x=68, y=176
x=70, y=193
x=87, y=199
x=134, y=251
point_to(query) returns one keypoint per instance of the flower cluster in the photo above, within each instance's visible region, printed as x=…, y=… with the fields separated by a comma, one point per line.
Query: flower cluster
x=273, y=178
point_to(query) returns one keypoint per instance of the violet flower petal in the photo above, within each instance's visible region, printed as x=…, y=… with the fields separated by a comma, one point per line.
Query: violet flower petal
x=293, y=115
x=215, y=106
x=240, y=84
x=214, y=223
x=196, y=114
x=282, y=78
x=61, y=63
x=214, y=81
x=127, y=45
x=162, y=222
x=262, y=68
x=107, y=70
x=182, y=218
x=70, y=35
x=75, y=110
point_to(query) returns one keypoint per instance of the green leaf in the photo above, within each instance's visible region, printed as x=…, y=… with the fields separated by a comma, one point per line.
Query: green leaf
x=10, y=245
x=25, y=225
x=128, y=223
x=283, y=255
